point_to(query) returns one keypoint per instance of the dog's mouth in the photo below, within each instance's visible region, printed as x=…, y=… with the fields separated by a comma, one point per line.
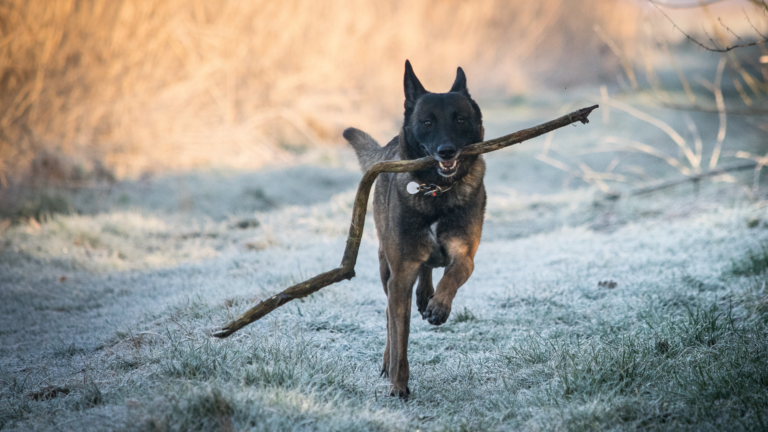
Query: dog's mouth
x=448, y=168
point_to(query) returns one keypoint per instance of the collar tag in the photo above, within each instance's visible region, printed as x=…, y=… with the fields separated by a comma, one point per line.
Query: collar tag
x=412, y=188
x=428, y=189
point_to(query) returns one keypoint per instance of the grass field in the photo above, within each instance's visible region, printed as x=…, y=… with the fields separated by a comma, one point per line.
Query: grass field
x=106, y=312
x=164, y=165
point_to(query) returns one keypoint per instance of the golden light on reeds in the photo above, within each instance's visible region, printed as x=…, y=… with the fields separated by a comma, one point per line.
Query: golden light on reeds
x=173, y=84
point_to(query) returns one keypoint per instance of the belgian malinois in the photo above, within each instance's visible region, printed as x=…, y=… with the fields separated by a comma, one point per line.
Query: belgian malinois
x=425, y=219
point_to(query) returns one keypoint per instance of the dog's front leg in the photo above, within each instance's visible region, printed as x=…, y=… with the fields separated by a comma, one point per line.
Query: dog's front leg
x=385, y=276
x=461, y=253
x=399, y=291
x=424, y=289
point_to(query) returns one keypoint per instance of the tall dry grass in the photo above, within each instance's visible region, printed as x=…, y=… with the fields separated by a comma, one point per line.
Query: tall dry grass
x=171, y=84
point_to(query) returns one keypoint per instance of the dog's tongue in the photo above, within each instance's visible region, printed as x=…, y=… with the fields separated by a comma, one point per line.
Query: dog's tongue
x=449, y=164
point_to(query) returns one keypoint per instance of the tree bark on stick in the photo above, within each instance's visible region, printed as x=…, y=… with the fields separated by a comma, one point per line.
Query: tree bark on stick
x=347, y=269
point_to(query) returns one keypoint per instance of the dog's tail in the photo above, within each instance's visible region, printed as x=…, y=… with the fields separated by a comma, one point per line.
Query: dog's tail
x=368, y=151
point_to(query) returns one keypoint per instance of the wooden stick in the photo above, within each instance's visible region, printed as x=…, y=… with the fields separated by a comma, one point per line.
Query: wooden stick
x=347, y=269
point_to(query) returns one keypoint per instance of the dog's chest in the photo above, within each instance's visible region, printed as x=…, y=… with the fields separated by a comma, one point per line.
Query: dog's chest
x=435, y=207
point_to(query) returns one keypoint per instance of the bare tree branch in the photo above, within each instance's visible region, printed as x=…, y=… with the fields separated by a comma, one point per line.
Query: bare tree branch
x=347, y=269
x=709, y=109
x=720, y=20
x=694, y=40
x=692, y=178
x=753, y=26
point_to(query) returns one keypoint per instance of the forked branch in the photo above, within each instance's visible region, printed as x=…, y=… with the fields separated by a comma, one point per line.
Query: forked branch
x=714, y=47
x=347, y=269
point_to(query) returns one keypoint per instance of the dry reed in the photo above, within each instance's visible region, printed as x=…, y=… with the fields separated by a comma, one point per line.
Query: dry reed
x=142, y=86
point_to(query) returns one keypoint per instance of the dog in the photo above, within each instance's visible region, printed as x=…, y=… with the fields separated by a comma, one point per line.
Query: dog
x=428, y=218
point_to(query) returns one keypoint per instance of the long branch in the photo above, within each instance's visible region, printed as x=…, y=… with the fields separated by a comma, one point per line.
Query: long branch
x=347, y=269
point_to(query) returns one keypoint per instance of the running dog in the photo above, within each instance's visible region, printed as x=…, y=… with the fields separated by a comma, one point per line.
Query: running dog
x=429, y=218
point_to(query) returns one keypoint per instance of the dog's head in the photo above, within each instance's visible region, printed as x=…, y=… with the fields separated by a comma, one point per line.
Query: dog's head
x=440, y=124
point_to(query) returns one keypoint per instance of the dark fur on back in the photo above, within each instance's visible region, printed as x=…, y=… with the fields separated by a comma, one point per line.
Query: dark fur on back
x=416, y=232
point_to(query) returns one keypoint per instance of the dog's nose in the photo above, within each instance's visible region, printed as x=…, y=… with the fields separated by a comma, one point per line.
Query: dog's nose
x=446, y=151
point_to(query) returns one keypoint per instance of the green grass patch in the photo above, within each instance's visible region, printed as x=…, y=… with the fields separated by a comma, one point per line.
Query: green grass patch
x=206, y=409
x=754, y=262
x=39, y=206
x=464, y=315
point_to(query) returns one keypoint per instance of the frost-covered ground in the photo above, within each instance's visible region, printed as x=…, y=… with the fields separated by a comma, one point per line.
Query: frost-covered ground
x=105, y=316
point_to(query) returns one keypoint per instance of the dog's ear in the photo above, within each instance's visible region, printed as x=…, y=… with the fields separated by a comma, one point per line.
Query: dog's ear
x=413, y=87
x=460, y=84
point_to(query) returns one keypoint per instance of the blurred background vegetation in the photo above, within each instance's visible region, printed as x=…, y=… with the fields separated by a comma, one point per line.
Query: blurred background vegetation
x=164, y=164
x=95, y=90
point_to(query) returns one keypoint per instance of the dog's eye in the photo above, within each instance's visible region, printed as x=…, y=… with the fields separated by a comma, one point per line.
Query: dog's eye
x=460, y=120
x=427, y=123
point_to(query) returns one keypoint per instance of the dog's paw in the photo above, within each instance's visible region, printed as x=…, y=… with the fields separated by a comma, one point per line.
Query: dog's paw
x=421, y=304
x=402, y=394
x=437, y=313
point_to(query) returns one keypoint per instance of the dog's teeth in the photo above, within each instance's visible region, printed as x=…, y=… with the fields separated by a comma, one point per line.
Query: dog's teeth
x=448, y=166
